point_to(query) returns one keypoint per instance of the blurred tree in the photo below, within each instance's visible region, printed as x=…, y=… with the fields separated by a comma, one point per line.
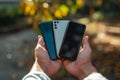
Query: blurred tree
x=9, y=15
x=44, y=10
x=91, y=7
x=80, y=3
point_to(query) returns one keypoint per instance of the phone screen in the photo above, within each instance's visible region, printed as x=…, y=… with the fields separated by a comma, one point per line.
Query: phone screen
x=72, y=40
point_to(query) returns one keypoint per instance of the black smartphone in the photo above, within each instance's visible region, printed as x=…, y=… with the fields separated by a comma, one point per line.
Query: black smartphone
x=72, y=40
x=48, y=36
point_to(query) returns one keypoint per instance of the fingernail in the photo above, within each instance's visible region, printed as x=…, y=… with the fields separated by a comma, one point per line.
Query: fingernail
x=39, y=36
x=87, y=37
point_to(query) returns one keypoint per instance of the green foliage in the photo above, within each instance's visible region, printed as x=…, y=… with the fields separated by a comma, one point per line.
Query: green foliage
x=45, y=10
x=11, y=12
x=9, y=15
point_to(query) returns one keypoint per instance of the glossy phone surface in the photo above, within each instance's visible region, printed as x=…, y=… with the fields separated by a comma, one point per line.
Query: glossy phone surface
x=47, y=32
x=59, y=28
x=72, y=41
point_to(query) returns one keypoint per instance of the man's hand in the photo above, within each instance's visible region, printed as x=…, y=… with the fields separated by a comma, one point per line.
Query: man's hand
x=82, y=66
x=43, y=61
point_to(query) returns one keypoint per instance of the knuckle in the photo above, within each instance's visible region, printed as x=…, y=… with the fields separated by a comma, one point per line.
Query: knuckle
x=36, y=49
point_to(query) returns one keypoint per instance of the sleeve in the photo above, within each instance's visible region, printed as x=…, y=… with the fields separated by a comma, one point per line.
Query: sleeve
x=36, y=76
x=95, y=76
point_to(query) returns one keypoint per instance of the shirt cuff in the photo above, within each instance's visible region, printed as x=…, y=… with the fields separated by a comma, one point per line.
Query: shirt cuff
x=36, y=76
x=95, y=76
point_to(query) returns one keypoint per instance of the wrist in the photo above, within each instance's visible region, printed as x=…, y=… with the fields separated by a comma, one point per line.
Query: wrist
x=86, y=70
x=36, y=67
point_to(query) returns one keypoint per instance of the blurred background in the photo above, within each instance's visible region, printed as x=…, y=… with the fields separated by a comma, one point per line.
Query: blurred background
x=19, y=30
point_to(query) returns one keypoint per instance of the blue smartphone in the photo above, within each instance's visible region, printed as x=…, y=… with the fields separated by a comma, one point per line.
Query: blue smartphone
x=72, y=41
x=47, y=33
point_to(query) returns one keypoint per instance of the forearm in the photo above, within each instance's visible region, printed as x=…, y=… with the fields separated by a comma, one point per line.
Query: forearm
x=86, y=70
x=36, y=73
x=89, y=73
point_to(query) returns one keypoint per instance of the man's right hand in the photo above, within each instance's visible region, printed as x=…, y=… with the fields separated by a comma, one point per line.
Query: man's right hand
x=82, y=66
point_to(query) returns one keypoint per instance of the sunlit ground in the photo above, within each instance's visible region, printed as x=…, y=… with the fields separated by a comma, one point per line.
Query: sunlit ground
x=104, y=32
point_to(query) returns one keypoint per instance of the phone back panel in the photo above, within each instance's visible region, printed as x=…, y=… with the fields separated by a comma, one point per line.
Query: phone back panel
x=72, y=41
x=59, y=28
x=47, y=32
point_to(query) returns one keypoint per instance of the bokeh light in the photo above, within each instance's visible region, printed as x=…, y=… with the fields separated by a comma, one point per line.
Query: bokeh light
x=45, y=5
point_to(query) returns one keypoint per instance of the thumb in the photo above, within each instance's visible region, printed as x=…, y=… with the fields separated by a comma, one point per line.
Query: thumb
x=39, y=36
x=86, y=44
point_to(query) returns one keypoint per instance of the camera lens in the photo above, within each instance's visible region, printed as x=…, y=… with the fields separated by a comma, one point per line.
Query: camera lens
x=57, y=21
x=55, y=24
x=55, y=27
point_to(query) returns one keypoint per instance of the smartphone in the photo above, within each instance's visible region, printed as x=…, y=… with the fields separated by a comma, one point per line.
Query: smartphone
x=59, y=28
x=47, y=33
x=72, y=40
